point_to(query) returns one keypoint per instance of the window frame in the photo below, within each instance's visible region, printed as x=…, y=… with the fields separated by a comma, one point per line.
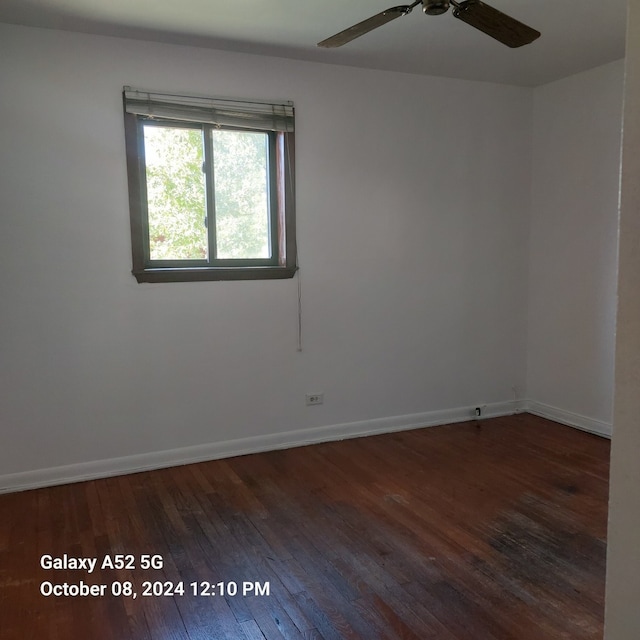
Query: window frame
x=282, y=263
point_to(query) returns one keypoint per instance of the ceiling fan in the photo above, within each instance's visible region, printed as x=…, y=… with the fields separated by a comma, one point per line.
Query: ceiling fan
x=494, y=23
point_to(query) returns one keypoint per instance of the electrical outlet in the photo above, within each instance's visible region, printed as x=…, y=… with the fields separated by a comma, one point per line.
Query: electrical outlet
x=478, y=412
x=314, y=398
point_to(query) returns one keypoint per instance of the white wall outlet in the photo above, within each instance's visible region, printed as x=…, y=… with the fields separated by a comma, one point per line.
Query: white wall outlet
x=479, y=411
x=314, y=398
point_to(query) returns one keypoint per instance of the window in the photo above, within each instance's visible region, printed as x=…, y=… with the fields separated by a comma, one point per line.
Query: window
x=211, y=188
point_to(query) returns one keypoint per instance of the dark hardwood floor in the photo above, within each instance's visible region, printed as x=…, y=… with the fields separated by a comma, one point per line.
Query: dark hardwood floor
x=489, y=532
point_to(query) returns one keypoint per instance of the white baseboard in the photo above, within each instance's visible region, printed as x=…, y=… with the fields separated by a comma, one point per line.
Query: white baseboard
x=229, y=448
x=215, y=450
x=568, y=418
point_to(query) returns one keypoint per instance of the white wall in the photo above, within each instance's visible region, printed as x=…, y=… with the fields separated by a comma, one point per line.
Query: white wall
x=622, y=619
x=412, y=237
x=573, y=247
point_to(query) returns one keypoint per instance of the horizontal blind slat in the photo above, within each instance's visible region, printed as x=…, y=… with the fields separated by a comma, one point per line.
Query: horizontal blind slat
x=217, y=111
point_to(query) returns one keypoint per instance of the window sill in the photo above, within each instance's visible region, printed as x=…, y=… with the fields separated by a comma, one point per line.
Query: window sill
x=202, y=274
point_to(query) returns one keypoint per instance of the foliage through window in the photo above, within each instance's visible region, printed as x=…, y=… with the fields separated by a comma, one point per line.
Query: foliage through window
x=210, y=188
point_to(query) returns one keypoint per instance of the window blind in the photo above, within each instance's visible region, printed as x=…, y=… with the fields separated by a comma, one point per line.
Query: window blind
x=266, y=116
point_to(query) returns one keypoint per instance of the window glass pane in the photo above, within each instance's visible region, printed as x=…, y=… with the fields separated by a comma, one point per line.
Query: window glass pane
x=175, y=193
x=241, y=194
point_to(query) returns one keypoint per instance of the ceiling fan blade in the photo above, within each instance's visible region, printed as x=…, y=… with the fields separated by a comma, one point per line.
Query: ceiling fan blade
x=494, y=23
x=365, y=26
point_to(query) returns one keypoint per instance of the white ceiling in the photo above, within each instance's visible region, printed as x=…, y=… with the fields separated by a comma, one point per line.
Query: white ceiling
x=576, y=34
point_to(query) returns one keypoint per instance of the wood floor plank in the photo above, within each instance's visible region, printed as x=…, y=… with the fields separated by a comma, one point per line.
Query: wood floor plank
x=492, y=530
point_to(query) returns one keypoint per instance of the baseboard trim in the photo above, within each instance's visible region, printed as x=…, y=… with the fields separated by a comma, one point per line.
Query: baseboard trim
x=215, y=450
x=604, y=429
